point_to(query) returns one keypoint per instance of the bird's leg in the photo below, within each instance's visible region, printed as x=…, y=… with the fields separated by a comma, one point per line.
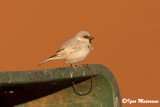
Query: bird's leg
x=81, y=66
x=74, y=67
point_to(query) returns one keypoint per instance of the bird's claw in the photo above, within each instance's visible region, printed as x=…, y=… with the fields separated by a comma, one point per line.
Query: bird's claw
x=75, y=67
x=81, y=66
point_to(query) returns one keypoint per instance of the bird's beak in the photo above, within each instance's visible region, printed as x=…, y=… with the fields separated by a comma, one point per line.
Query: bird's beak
x=91, y=37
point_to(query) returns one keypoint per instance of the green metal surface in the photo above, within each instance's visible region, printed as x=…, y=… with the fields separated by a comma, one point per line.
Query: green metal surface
x=53, y=88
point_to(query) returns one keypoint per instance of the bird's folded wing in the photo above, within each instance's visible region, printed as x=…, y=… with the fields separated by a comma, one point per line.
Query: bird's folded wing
x=67, y=48
x=56, y=53
x=65, y=51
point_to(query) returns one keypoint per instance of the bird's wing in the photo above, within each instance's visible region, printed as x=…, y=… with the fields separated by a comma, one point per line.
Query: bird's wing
x=69, y=43
x=67, y=48
x=56, y=53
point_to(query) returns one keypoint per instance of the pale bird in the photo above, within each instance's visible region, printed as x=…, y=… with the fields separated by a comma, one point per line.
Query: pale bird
x=74, y=50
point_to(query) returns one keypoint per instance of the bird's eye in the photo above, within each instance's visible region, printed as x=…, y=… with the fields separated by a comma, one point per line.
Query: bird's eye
x=86, y=36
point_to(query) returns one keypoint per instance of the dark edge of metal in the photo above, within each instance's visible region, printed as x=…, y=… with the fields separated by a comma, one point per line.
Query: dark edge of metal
x=91, y=86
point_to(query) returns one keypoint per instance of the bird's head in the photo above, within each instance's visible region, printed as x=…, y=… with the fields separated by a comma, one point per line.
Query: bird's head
x=84, y=36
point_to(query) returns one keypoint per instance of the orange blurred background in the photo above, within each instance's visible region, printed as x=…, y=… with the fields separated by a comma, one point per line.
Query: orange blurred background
x=127, y=38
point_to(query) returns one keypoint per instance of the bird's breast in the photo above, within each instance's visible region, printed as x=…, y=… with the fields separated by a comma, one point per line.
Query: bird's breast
x=78, y=55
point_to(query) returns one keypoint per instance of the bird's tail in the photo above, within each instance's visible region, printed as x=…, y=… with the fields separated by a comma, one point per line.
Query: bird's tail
x=50, y=59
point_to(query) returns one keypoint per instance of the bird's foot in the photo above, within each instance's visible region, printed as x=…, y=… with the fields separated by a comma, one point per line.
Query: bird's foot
x=74, y=67
x=81, y=66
